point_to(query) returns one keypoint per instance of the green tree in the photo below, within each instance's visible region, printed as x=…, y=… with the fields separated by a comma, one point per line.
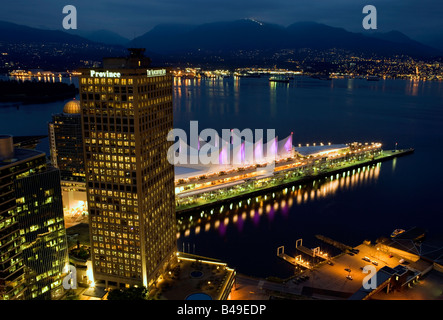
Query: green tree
x=132, y=293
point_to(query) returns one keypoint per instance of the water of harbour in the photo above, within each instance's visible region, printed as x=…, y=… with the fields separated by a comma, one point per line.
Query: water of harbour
x=401, y=193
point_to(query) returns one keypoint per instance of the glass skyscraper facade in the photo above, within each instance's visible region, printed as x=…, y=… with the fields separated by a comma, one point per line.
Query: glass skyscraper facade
x=30, y=200
x=45, y=248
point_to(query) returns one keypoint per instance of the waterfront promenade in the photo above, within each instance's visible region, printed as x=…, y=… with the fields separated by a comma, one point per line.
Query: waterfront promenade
x=243, y=188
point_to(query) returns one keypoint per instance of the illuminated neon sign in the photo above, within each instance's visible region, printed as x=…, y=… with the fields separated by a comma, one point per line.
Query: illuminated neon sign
x=105, y=74
x=155, y=73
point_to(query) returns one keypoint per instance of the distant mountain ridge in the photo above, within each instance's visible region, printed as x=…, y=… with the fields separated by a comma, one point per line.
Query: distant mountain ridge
x=56, y=50
x=249, y=34
x=101, y=36
x=15, y=33
x=225, y=39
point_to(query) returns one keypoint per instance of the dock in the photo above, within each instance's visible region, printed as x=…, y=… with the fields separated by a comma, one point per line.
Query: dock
x=299, y=246
x=337, y=244
x=310, y=252
x=296, y=261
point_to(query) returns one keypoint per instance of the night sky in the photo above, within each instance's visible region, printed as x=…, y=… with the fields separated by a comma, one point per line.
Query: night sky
x=419, y=19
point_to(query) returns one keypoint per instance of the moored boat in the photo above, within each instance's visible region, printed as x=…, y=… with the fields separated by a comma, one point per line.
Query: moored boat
x=396, y=232
x=279, y=79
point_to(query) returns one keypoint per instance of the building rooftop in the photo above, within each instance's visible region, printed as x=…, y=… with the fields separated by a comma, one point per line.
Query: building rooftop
x=72, y=107
x=135, y=59
x=195, y=278
x=20, y=155
x=27, y=141
x=79, y=232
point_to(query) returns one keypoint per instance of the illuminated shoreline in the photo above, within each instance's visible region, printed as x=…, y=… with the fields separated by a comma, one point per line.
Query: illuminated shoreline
x=280, y=181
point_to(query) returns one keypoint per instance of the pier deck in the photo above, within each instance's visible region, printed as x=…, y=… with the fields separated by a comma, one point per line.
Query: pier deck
x=296, y=261
x=345, y=166
x=307, y=251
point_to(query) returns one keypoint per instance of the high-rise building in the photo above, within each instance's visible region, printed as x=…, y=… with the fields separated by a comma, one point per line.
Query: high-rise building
x=66, y=150
x=66, y=142
x=126, y=116
x=45, y=247
x=33, y=246
x=13, y=165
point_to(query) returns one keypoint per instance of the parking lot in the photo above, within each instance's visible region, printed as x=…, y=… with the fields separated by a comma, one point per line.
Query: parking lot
x=346, y=274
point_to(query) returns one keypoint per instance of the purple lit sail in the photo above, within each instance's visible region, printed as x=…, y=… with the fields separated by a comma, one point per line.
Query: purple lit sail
x=258, y=152
x=222, y=157
x=242, y=153
x=272, y=149
x=288, y=144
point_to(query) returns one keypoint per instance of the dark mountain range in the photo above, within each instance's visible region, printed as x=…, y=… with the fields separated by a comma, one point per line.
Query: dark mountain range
x=101, y=36
x=254, y=35
x=217, y=36
x=234, y=43
x=433, y=40
x=30, y=48
x=15, y=33
x=393, y=36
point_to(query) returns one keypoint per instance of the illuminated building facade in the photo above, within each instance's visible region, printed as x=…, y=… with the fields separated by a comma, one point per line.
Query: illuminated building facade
x=45, y=249
x=66, y=142
x=66, y=149
x=31, y=225
x=126, y=116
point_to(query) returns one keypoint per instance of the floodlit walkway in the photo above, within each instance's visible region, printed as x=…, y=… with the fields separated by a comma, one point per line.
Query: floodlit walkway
x=190, y=200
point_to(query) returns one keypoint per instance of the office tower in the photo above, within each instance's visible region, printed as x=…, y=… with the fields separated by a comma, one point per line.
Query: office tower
x=12, y=166
x=33, y=246
x=66, y=142
x=126, y=116
x=45, y=248
x=66, y=150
